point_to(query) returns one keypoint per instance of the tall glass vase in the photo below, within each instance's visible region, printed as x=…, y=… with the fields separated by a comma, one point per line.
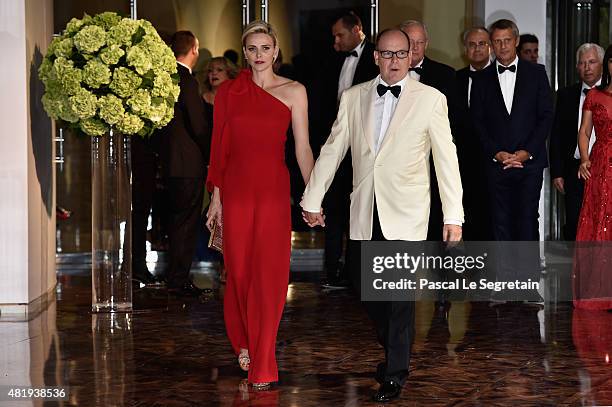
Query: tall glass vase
x=111, y=230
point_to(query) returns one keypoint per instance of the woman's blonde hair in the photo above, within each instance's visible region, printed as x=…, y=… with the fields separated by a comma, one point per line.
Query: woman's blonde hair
x=231, y=69
x=259, y=27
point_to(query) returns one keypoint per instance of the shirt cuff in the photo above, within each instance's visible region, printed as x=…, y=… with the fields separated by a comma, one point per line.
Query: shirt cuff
x=310, y=209
x=453, y=222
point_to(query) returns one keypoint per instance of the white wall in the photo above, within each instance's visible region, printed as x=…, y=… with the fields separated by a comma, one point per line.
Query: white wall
x=529, y=15
x=27, y=203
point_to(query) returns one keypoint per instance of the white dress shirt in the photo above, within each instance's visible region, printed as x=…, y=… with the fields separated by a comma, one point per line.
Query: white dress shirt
x=506, y=83
x=593, y=138
x=472, y=69
x=384, y=107
x=348, y=70
x=180, y=63
x=415, y=75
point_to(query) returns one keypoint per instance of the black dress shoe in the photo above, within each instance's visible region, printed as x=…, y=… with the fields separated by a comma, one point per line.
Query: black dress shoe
x=144, y=277
x=335, y=283
x=389, y=390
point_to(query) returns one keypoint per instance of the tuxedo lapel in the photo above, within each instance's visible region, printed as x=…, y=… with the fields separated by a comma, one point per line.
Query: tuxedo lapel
x=519, y=85
x=366, y=96
x=407, y=99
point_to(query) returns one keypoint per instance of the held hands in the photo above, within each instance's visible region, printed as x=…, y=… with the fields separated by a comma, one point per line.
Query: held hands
x=452, y=234
x=313, y=219
x=583, y=170
x=515, y=160
x=214, y=211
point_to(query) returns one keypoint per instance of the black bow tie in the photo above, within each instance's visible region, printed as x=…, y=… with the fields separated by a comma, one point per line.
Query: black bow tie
x=502, y=69
x=351, y=54
x=585, y=91
x=382, y=89
x=418, y=70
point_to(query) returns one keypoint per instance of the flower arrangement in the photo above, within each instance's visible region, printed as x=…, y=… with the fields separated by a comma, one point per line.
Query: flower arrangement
x=107, y=71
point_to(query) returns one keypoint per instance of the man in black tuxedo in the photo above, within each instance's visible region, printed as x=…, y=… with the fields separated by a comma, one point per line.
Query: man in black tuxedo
x=441, y=77
x=144, y=163
x=511, y=105
x=477, y=226
x=564, y=155
x=185, y=157
x=351, y=64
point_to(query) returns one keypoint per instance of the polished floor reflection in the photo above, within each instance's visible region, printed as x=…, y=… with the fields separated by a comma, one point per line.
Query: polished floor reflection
x=174, y=352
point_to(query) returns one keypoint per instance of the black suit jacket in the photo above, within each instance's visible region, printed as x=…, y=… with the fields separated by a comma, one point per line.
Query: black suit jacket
x=526, y=127
x=468, y=143
x=441, y=77
x=186, y=150
x=323, y=98
x=564, y=135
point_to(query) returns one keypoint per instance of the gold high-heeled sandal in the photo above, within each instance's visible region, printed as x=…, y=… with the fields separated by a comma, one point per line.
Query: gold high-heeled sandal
x=244, y=361
x=261, y=386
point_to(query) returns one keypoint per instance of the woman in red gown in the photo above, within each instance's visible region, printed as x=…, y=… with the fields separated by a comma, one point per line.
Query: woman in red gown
x=593, y=268
x=251, y=193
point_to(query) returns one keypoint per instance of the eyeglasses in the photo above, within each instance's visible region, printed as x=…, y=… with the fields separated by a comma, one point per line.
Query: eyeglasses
x=401, y=54
x=480, y=44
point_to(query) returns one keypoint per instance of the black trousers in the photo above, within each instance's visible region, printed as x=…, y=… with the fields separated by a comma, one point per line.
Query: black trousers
x=574, y=191
x=515, y=195
x=143, y=188
x=515, y=198
x=337, y=207
x=186, y=196
x=394, y=320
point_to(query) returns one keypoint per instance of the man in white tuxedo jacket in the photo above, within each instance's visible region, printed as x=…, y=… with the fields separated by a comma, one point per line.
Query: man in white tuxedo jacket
x=391, y=124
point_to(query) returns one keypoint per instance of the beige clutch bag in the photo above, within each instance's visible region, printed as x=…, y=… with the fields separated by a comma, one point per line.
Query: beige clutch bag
x=216, y=237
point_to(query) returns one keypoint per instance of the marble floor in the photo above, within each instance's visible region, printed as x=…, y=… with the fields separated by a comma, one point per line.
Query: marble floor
x=174, y=352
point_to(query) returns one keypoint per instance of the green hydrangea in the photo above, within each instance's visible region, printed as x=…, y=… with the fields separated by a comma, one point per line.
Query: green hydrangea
x=107, y=20
x=130, y=124
x=90, y=39
x=108, y=71
x=125, y=82
x=140, y=102
x=139, y=59
x=93, y=127
x=51, y=105
x=53, y=45
x=96, y=73
x=157, y=111
x=64, y=48
x=73, y=26
x=84, y=104
x=110, y=55
x=65, y=111
x=162, y=85
x=44, y=70
x=67, y=76
x=149, y=29
x=166, y=63
x=121, y=34
x=111, y=109
x=167, y=117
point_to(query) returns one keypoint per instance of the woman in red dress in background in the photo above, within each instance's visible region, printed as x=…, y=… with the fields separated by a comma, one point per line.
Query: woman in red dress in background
x=593, y=268
x=251, y=193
